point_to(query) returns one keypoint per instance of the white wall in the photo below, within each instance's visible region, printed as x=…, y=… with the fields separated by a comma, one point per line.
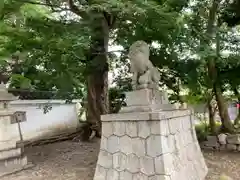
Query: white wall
x=60, y=118
x=232, y=110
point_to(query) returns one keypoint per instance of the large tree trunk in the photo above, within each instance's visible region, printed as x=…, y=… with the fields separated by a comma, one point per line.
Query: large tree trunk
x=97, y=80
x=97, y=99
x=212, y=70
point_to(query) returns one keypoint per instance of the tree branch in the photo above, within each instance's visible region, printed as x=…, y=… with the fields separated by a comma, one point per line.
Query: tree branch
x=46, y=4
x=114, y=19
x=111, y=19
x=50, y=4
x=109, y=52
x=75, y=9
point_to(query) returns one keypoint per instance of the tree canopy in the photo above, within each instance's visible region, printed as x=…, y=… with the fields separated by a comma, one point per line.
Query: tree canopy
x=60, y=49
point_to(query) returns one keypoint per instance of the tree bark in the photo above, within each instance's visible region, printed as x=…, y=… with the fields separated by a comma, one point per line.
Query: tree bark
x=97, y=78
x=237, y=120
x=211, y=112
x=212, y=70
x=227, y=126
x=100, y=24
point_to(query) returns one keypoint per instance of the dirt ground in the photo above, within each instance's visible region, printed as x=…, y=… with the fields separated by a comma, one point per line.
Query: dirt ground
x=76, y=161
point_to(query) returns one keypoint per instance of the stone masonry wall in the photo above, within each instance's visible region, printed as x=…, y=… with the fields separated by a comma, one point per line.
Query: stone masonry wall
x=149, y=146
x=230, y=142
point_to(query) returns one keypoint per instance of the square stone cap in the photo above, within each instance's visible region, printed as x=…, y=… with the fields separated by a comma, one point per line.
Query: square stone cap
x=4, y=95
x=146, y=116
x=7, y=112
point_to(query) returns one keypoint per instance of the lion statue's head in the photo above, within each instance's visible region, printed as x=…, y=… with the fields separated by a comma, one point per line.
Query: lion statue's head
x=139, y=48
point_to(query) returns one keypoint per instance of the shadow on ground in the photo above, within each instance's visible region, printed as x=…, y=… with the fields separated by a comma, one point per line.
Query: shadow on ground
x=60, y=161
x=76, y=161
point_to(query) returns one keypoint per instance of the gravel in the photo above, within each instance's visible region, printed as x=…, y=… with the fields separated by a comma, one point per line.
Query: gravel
x=76, y=161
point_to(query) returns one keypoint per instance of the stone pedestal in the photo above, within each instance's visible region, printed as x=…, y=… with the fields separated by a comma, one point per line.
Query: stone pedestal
x=12, y=157
x=145, y=100
x=149, y=145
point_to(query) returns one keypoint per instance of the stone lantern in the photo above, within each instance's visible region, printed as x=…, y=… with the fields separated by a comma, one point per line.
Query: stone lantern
x=11, y=156
x=5, y=97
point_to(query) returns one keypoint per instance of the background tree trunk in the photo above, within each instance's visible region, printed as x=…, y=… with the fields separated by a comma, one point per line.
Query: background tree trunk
x=223, y=111
x=237, y=94
x=212, y=70
x=211, y=112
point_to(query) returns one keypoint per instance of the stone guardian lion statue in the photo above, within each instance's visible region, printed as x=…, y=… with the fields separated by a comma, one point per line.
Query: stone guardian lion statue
x=145, y=75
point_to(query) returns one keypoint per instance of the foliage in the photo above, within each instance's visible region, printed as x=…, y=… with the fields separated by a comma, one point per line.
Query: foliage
x=57, y=41
x=44, y=36
x=53, y=53
x=203, y=130
x=117, y=96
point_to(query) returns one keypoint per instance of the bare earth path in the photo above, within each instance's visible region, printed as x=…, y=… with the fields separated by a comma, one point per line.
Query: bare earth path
x=76, y=161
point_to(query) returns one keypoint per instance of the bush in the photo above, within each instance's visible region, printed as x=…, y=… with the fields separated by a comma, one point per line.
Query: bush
x=203, y=130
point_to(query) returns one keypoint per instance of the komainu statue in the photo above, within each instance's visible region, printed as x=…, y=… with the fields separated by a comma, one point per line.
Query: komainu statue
x=149, y=139
x=145, y=75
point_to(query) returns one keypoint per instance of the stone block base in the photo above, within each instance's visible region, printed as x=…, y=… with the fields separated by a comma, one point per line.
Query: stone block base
x=12, y=159
x=146, y=100
x=149, y=146
x=6, y=154
x=229, y=142
x=11, y=165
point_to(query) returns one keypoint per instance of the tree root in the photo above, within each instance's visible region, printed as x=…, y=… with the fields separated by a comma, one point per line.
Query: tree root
x=84, y=133
x=52, y=139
